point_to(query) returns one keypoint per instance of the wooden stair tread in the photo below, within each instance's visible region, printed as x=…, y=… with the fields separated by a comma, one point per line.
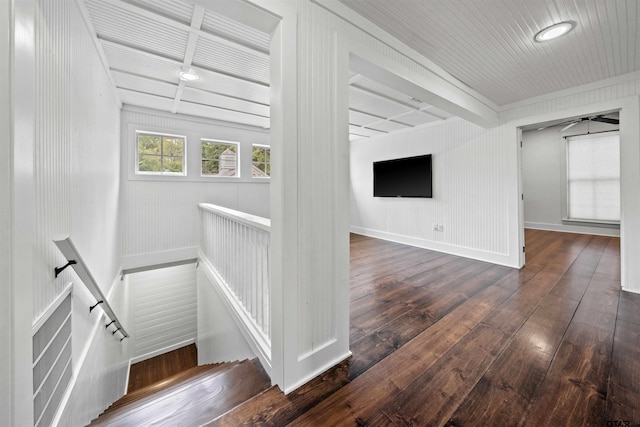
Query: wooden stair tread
x=273, y=408
x=193, y=402
x=170, y=383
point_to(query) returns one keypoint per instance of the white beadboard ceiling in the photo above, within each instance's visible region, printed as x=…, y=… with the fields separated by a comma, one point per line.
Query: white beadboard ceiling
x=489, y=46
x=486, y=44
x=147, y=43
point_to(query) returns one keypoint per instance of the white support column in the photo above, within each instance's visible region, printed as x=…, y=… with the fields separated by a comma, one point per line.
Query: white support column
x=6, y=250
x=630, y=194
x=309, y=196
x=283, y=190
x=17, y=80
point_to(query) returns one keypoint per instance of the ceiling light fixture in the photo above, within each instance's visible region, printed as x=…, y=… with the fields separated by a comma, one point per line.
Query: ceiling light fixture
x=188, y=76
x=554, y=31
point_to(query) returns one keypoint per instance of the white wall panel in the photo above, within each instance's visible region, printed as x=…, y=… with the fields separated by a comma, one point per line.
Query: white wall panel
x=161, y=215
x=219, y=338
x=77, y=169
x=602, y=91
x=163, y=311
x=470, y=191
x=77, y=158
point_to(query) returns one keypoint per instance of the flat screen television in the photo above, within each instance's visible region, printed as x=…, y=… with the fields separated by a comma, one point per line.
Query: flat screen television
x=406, y=177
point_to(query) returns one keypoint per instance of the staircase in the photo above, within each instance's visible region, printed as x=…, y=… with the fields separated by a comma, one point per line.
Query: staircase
x=190, y=398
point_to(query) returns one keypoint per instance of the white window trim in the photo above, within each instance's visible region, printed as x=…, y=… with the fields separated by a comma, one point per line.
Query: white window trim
x=238, y=163
x=159, y=174
x=262, y=146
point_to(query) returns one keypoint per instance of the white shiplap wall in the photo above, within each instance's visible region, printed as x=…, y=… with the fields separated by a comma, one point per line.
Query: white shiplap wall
x=77, y=164
x=161, y=215
x=163, y=310
x=470, y=191
x=77, y=155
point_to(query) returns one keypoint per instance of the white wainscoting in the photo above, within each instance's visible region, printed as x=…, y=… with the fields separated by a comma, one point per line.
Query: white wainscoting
x=163, y=310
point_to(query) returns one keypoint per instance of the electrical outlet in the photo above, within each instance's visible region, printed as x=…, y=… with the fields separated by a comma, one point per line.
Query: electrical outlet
x=440, y=227
x=435, y=227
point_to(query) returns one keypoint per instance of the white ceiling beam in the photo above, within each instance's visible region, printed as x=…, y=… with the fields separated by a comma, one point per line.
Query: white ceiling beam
x=380, y=119
x=243, y=12
x=177, y=64
x=439, y=77
x=253, y=50
x=353, y=79
x=150, y=86
x=200, y=110
x=192, y=42
x=434, y=91
x=422, y=110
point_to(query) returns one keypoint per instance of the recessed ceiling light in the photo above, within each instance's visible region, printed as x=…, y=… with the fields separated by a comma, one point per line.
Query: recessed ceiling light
x=554, y=31
x=188, y=76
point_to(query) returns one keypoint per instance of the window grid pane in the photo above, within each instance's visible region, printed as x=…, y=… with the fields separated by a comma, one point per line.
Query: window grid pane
x=261, y=161
x=160, y=154
x=219, y=159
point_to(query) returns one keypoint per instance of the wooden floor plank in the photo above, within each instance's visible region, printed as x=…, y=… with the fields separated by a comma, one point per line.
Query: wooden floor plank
x=506, y=391
x=363, y=398
x=442, y=340
x=196, y=403
x=160, y=367
x=623, y=396
x=448, y=380
x=574, y=390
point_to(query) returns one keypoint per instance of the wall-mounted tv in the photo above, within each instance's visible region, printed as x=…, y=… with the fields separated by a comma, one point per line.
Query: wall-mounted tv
x=406, y=177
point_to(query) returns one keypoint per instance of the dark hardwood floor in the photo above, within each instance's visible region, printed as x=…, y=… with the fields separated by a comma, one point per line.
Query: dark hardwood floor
x=160, y=367
x=443, y=340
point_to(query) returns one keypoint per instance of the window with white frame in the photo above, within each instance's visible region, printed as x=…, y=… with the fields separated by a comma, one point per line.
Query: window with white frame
x=219, y=158
x=593, y=177
x=261, y=161
x=160, y=154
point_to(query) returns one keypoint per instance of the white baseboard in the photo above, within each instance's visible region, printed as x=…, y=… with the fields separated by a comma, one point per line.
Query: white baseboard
x=570, y=228
x=492, y=257
x=316, y=373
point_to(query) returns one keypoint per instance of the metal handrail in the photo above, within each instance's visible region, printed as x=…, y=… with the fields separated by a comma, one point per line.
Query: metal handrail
x=74, y=259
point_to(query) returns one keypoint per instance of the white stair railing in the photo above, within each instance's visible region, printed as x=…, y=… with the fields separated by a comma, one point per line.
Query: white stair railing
x=236, y=247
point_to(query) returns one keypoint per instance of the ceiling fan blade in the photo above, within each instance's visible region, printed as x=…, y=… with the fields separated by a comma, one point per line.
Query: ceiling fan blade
x=568, y=126
x=606, y=120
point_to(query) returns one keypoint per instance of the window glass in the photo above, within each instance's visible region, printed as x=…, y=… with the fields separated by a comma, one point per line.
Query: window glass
x=219, y=158
x=160, y=154
x=261, y=161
